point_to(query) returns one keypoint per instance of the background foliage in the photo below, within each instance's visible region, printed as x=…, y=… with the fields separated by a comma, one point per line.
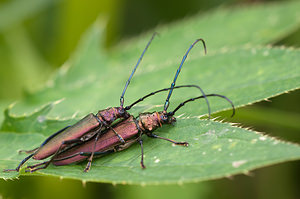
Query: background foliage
x=35, y=40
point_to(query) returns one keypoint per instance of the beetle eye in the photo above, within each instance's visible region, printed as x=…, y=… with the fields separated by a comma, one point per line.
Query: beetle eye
x=164, y=117
x=121, y=111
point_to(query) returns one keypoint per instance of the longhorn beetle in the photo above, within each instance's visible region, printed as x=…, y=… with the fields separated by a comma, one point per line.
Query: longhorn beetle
x=92, y=125
x=130, y=129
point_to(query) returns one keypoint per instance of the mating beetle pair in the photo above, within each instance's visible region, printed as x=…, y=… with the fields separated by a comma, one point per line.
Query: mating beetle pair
x=94, y=135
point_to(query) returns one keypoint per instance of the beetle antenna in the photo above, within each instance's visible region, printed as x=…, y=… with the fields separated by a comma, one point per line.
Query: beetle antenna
x=133, y=71
x=158, y=91
x=195, y=98
x=167, y=103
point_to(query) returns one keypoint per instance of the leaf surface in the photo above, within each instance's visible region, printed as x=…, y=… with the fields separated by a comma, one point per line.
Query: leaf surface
x=237, y=65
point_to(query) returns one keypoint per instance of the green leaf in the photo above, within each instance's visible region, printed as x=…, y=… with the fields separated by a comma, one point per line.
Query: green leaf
x=237, y=65
x=215, y=150
x=3, y=105
x=36, y=122
x=99, y=76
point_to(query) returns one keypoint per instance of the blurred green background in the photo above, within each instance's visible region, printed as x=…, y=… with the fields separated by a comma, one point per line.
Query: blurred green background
x=38, y=36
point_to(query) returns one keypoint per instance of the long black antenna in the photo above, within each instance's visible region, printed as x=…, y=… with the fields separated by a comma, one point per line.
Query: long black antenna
x=167, y=103
x=133, y=71
x=158, y=91
x=195, y=98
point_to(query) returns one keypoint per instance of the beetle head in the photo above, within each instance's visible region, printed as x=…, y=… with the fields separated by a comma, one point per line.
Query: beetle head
x=121, y=112
x=166, y=118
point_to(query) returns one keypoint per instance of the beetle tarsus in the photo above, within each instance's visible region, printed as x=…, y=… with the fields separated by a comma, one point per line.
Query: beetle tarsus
x=9, y=170
x=88, y=166
x=167, y=139
x=28, y=151
x=181, y=143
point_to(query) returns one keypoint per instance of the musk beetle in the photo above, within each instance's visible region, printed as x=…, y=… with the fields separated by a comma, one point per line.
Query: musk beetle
x=130, y=129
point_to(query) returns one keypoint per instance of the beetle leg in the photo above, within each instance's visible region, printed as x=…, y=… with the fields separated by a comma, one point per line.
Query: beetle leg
x=88, y=166
x=142, y=151
x=33, y=151
x=96, y=153
x=34, y=166
x=174, y=142
x=103, y=122
x=91, y=154
x=120, y=137
x=47, y=163
x=85, y=154
x=21, y=163
x=29, y=151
